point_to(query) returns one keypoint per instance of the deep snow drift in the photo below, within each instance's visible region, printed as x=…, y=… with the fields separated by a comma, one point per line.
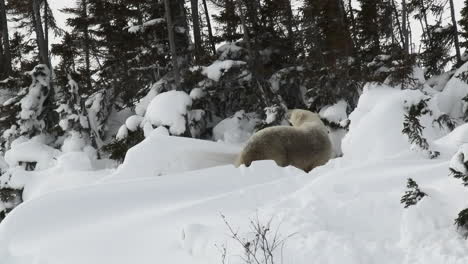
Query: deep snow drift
x=163, y=204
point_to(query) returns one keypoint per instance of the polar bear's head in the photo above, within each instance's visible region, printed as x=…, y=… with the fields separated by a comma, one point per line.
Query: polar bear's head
x=297, y=117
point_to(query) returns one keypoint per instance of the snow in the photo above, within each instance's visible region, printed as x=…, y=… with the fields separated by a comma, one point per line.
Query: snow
x=460, y=159
x=31, y=151
x=74, y=142
x=169, y=109
x=216, y=70
x=236, y=129
x=163, y=204
x=162, y=131
x=271, y=114
x=377, y=123
x=175, y=218
x=453, y=140
x=140, y=108
x=122, y=133
x=278, y=78
x=335, y=113
x=229, y=50
x=449, y=99
x=155, y=156
x=133, y=122
x=197, y=93
x=31, y=104
x=149, y=23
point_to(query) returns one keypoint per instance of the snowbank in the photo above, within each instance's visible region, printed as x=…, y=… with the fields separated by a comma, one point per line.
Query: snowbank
x=161, y=155
x=176, y=219
x=451, y=142
x=375, y=131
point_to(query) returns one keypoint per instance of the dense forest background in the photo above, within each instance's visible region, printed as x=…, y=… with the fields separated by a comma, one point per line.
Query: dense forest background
x=262, y=57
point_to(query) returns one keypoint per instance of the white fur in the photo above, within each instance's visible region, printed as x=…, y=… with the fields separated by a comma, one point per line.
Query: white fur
x=305, y=145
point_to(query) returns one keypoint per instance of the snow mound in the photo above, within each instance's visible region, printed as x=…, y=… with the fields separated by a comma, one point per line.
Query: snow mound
x=453, y=140
x=161, y=155
x=169, y=109
x=459, y=161
x=379, y=112
x=375, y=131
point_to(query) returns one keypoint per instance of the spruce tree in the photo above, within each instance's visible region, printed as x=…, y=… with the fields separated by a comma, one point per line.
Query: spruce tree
x=413, y=194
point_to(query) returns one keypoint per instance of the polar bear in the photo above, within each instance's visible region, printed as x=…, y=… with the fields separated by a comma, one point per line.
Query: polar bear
x=304, y=145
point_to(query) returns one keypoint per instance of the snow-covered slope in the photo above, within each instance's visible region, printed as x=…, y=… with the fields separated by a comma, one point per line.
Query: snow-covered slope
x=155, y=210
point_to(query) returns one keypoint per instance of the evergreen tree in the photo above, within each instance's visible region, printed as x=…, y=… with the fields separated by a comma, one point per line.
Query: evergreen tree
x=413, y=195
x=333, y=68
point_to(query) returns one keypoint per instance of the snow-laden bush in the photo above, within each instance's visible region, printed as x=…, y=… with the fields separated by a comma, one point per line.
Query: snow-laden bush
x=32, y=105
x=98, y=107
x=450, y=100
x=377, y=123
x=165, y=110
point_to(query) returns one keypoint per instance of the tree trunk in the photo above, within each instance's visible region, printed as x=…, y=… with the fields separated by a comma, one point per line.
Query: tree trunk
x=208, y=24
x=6, y=39
x=41, y=42
x=172, y=44
x=86, y=47
x=455, y=33
x=196, y=30
x=400, y=29
x=46, y=23
x=404, y=15
x=424, y=13
x=246, y=36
